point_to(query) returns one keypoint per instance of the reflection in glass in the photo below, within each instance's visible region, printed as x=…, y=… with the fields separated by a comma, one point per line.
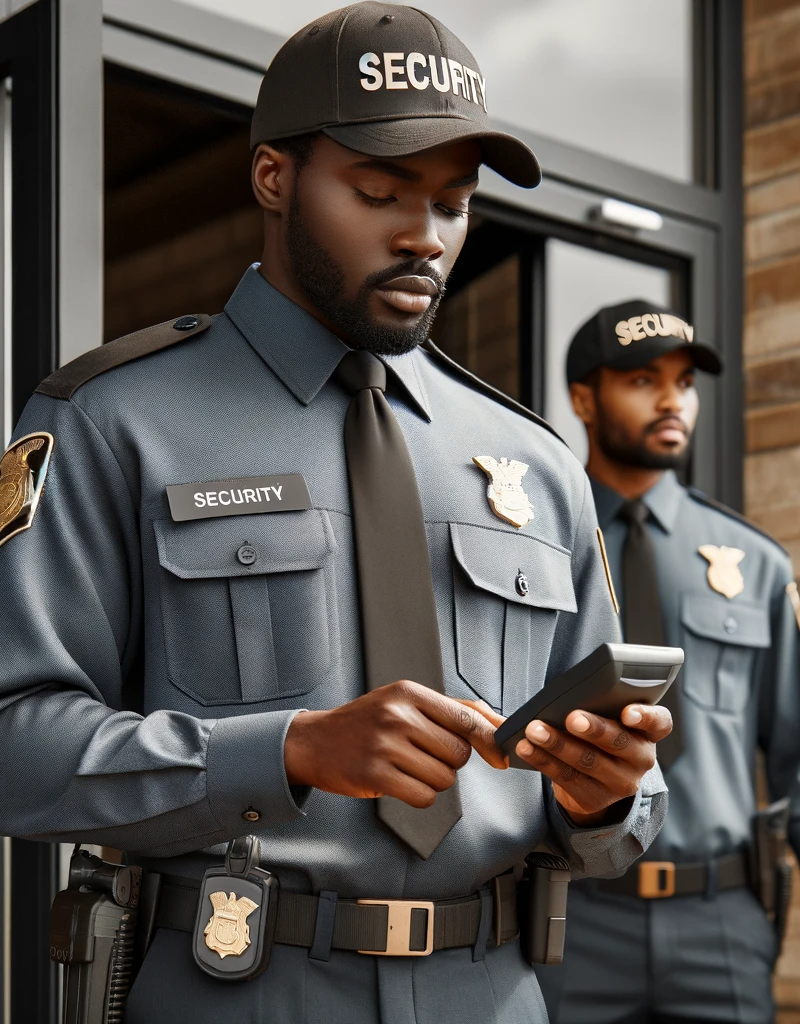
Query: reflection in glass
x=579, y=282
x=612, y=76
x=479, y=326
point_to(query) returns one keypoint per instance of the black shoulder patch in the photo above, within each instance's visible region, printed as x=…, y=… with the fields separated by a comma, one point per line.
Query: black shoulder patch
x=66, y=380
x=704, y=499
x=487, y=389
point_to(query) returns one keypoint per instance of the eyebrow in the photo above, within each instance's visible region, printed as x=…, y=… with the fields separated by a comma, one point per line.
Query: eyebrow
x=406, y=174
x=468, y=179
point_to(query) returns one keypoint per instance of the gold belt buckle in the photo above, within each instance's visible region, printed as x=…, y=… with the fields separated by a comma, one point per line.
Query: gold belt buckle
x=652, y=884
x=398, y=927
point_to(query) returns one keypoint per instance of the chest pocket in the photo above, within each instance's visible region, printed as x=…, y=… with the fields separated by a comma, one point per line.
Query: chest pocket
x=721, y=640
x=248, y=605
x=504, y=626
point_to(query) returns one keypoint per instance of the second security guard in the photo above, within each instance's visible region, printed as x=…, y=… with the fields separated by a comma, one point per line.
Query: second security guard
x=681, y=936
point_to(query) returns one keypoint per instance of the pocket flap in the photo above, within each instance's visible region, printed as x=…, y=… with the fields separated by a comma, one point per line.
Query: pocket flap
x=209, y=548
x=493, y=559
x=716, y=619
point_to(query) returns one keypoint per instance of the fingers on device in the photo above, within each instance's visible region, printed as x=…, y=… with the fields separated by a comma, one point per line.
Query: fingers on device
x=605, y=682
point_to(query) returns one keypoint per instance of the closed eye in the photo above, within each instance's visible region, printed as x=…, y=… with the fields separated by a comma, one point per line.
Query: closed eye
x=376, y=201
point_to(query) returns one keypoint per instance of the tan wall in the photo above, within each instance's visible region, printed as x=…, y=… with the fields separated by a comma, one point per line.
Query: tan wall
x=772, y=318
x=772, y=268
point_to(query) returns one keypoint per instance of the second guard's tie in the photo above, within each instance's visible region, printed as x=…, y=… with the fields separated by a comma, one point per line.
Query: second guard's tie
x=643, y=622
x=399, y=627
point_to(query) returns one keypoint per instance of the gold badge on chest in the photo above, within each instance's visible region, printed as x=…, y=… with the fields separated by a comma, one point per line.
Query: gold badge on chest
x=506, y=496
x=724, y=574
x=227, y=933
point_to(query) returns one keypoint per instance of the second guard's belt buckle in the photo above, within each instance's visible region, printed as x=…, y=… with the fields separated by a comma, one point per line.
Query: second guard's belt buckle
x=398, y=927
x=656, y=879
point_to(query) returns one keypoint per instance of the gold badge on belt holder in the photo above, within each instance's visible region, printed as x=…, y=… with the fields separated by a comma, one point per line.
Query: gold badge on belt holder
x=235, y=943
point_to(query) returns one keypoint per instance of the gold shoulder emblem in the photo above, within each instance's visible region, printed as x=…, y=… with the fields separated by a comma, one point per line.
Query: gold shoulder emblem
x=724, y=574
x=506, y=496
x=612, y=592
x=227, y=932
x=23, y=469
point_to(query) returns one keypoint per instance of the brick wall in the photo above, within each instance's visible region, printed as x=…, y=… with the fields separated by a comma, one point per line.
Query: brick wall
x=772, y=318
x=772, y=268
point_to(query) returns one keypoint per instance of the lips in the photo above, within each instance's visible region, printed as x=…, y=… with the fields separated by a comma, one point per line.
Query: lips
x=670, y=431
x=411, y=294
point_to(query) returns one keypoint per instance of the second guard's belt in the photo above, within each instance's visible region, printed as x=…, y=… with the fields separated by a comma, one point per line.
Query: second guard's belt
x=379, y=927
x=660, y=879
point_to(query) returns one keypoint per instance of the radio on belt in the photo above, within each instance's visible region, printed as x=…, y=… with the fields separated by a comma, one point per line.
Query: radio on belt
x=610, y=678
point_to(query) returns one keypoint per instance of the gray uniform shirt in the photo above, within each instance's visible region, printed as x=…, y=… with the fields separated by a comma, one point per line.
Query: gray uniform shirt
x=106, y=586
x=740, y=678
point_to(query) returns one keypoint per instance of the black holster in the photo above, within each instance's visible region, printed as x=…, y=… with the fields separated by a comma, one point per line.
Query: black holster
x=770, y=870
x=542, y=908
x=92, y=933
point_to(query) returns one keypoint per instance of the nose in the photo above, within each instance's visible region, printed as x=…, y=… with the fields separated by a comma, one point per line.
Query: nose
x=418, y=239
x=672, y=398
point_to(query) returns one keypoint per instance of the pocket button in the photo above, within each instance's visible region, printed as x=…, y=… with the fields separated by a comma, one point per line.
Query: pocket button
x=247, y=554
x=522, y=585
x=730, y=624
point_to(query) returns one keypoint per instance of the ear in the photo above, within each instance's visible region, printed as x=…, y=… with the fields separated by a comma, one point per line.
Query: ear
x=272, y=174
x=583, y=402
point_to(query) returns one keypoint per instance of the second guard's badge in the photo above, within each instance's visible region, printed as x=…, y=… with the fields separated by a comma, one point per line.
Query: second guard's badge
x=23, y=469
x=227, y=933
x=724, y=574
x=506, y=496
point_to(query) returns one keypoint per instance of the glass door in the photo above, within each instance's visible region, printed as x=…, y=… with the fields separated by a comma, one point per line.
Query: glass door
x=524, y=284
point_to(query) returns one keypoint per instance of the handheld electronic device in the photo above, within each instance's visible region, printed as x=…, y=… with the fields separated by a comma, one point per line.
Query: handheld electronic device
x=610, y=678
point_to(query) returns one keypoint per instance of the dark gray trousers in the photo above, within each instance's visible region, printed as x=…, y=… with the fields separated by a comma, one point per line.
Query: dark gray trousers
x=687, y=959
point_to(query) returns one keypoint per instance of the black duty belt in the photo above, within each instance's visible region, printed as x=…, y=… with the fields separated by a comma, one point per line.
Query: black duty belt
x=660, y=879
x=379, y=927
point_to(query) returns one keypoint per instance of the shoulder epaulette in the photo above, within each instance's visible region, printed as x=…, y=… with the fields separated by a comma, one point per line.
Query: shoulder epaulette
x=487, y=389
x=704, y=499
x=66, y=380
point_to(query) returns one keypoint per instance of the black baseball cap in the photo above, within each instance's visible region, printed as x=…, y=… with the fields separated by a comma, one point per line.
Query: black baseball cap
x=385, y=80
x=632, y=334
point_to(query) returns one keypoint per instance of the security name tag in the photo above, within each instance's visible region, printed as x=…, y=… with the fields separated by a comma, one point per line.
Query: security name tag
x=245, y=496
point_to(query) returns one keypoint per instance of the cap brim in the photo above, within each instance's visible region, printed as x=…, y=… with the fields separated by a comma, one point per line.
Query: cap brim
x=503, y=153
x=642, y=352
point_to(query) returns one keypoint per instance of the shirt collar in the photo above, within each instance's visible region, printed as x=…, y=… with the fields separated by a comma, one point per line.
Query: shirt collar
x=299, y=350
x=663, y=500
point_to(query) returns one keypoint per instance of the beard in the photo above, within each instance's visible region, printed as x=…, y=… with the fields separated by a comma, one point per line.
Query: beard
x=323, y=282
x=615, y=444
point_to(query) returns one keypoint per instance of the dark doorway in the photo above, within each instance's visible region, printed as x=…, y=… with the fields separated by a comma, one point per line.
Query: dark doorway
x=181, y=223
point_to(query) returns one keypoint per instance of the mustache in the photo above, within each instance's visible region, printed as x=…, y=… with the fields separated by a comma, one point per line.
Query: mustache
x=407, y=268
x=672, y=421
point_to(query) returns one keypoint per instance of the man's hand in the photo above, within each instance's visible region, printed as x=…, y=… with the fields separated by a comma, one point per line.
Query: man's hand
x=402, y=740
x=596, y=761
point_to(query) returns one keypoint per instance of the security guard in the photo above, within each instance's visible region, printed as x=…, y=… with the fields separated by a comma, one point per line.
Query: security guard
x=681, y=936
x=243, y=560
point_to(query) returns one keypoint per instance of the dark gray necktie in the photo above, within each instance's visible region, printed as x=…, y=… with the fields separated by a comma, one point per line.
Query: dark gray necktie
x=399, y=628
x=643, y=621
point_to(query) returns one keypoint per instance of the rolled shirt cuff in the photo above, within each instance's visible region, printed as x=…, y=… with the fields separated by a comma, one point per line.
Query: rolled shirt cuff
x=610, y=849
x=246, y=774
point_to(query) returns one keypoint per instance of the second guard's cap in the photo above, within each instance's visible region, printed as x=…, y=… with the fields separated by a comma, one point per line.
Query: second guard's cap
x=631, y=334
x=385, y=80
